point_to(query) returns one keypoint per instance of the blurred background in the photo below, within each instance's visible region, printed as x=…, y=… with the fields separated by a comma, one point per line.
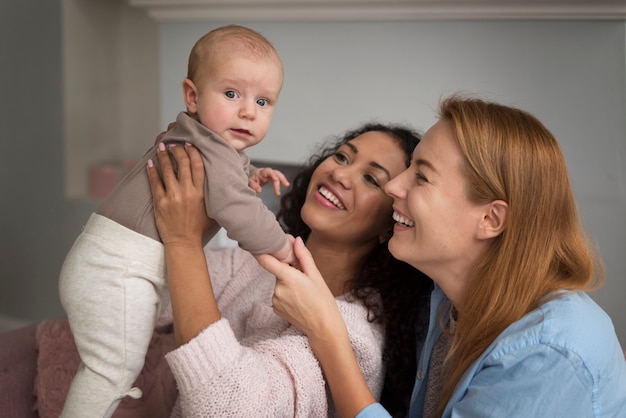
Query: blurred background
x=86, y=85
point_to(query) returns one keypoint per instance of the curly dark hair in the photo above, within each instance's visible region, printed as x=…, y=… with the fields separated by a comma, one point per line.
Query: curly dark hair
x=404, y=291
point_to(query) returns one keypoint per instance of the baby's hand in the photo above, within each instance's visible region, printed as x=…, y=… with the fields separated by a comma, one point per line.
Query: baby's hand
x=261, y=176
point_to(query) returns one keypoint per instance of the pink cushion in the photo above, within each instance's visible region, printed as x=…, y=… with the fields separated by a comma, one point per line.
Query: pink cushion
x=58, y=361
x=18, y=359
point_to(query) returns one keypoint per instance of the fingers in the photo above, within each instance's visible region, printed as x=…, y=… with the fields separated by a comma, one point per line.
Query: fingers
x=255, y=180
x=284, y=271
x=307, y=264
x=197, y=166
x=278, y=179
x=282, y=178
x=271, y=264
x=266, y=175
x=190, y=165
x=182, y=162
x=254, y=185
x=156, y=185
x=276, y=185
x=301, y=297
x=168, y=175
x=171, y=179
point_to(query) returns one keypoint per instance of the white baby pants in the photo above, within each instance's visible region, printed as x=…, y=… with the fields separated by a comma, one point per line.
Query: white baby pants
x=113, y=288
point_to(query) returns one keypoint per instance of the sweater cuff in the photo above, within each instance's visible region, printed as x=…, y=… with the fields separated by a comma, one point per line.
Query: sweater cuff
x=213, y=350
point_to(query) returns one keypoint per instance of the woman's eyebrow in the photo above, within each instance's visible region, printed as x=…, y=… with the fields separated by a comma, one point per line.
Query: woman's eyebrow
x=421, y=161
x=426, y=163
x=374, y=164
x=352, y=147
x=380, y=167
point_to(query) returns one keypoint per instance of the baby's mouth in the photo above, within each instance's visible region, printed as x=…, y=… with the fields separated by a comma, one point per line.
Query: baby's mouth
x=241, y=131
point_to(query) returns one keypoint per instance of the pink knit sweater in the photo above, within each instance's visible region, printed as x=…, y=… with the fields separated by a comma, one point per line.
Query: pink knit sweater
x=252, y=363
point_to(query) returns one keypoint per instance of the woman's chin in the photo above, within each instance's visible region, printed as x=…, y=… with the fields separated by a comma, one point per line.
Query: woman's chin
x=395, y=247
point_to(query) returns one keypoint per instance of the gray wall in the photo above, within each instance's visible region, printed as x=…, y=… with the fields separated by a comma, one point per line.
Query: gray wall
x=37, y=223
x=571, y=74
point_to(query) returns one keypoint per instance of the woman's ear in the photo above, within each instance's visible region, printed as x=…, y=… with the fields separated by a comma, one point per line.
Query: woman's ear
x=494, y=219
x=190, y=95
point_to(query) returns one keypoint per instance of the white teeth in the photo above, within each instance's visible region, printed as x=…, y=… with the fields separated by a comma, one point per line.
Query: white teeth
x=402, y=220
x=330, y=197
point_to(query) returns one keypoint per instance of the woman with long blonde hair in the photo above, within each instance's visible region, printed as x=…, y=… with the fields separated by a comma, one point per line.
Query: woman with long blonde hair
x=487, y=211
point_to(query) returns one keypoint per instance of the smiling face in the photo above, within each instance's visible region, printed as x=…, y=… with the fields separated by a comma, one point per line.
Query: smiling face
x=235, y=97
x=345, y=199
x=437, y=227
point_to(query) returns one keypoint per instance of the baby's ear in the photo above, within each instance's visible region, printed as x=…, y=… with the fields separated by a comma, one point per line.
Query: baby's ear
x=190, y=96
x=494, y=219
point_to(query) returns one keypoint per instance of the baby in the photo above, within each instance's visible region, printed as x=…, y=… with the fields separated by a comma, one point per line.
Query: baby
x=113, y=285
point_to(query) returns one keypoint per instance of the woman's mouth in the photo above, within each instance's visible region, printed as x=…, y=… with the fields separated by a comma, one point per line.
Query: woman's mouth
x=400, y=219
x=328, y=195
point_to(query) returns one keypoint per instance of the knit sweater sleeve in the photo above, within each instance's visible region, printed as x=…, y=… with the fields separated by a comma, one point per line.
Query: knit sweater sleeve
x=255, y=364
x=217, y=376
x=367, y=343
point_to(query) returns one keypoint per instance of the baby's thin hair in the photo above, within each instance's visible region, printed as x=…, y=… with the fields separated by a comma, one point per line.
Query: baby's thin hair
x=227, y=39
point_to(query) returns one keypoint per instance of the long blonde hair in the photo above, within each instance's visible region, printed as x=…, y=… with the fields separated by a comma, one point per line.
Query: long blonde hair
x=510, y=155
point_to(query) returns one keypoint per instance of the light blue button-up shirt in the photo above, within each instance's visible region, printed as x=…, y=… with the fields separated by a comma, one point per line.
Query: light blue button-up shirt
x=561, y=360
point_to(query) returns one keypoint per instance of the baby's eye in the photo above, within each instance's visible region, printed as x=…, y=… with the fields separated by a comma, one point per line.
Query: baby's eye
x=230, y=94
x=262, y=102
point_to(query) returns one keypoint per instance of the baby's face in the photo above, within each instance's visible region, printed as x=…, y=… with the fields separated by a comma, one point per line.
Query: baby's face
x=236, y=97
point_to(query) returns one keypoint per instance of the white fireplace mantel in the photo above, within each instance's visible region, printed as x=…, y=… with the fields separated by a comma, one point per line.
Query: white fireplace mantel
x=378, y=10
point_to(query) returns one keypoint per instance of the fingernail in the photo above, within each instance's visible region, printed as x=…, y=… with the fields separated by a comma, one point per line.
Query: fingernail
x=150, y=163
x=161, y=146
x=171, y=145
x=187, y=144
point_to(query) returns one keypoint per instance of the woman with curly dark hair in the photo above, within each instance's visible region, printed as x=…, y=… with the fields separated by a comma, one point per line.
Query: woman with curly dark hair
x=232, y=346
x=396, y=282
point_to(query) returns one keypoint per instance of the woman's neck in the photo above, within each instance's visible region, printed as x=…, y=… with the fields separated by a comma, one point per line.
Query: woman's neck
x=453, y=283
x=337, y=263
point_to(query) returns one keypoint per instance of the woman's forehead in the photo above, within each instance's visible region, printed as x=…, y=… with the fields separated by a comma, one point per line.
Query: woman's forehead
x=373, y=141
x=380, y=149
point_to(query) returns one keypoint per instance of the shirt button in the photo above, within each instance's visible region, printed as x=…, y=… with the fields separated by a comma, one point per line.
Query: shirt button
x=420, y=374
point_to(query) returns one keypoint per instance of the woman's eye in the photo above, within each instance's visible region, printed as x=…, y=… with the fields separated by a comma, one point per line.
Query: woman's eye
x=372, y=180
x=262, y=102
x=420, y=178
x=230, y=94
x=341, y=157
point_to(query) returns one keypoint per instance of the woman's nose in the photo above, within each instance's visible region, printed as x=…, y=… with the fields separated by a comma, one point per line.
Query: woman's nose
x=394, y=187
x=343, y=175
